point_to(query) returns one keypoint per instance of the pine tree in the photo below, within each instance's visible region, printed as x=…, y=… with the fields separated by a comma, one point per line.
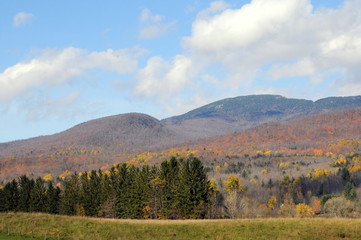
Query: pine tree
x=26, y=185
x=52, y=199
x=123, y=183
x=38, y=196
x=169, y=173
x=350, y=193
x=11, y=196
x=199, y=186
x=91, y=192
x=70, y=197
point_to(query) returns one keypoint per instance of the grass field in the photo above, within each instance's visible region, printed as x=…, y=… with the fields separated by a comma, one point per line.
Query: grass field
x=41, y=226
x=9, y=237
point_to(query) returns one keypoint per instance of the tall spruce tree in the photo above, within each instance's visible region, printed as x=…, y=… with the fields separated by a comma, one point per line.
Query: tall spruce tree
x=52, y=199
x=26, y=186
x=11, y=196
x=70, y=197
x=91, y=192
x=38, y=196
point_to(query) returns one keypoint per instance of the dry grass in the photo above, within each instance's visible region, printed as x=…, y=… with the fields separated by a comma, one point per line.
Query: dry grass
x=41, y=225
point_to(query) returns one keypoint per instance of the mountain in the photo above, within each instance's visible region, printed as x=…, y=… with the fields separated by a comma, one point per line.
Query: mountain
x=239, y=113
x=86, y=146
x=272, y=150
x=120, y=138
x=131, y=131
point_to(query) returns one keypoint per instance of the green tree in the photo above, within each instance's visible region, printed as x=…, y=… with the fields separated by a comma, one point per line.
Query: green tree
x=38, y=196
x=70, y=197
x=11, y=196
x=350, y=192
x=52, y=199
x=26, y=185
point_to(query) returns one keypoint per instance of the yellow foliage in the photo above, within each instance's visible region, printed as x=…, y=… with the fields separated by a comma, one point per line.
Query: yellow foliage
x=264, y=171
x=48, y=177
x=225, y=164
x=233, y=184
x=253, y=180
x=64, y=174
x=147, y=210
x=329, y=154
x=303, y=210
x=354, y=169
x=267, y=153
x=218, y=168
x=284, y=165
x=272, y=202
x=213, y=186
x=1, y=186
x=320, y=173
x=340, y=162
x=58, y=185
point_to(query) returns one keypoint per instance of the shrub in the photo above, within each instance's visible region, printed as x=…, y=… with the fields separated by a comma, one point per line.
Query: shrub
x=303, y=210
x=338, y=207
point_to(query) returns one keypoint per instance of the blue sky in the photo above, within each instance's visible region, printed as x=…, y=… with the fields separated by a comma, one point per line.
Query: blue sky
x=66, y=62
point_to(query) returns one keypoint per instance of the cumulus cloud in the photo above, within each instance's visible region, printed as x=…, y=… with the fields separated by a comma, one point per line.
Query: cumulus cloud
x=163, y=79
x=147, y=16
x=22, y=18
x=154, y=31
x=54, y=67
x=153, y=25
x=281, y=38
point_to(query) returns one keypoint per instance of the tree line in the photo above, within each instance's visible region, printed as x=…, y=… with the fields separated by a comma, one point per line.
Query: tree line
x=178, y=188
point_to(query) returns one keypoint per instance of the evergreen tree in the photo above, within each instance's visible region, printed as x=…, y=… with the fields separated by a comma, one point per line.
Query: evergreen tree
x=199, y=186
x=38, y=196
x=52, y=199
x=91, y=192
x=169, y=173
x=345, y=175
x=123, y=184
x=26, y=185
x=11, y=196
x=350, y=193
x=70, y=197
x=107, y=197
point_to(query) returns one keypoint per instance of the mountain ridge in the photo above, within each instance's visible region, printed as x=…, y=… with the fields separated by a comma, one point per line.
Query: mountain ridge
x=117, y=138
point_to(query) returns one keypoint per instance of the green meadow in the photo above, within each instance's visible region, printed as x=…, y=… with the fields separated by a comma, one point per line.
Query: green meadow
x=15, y=226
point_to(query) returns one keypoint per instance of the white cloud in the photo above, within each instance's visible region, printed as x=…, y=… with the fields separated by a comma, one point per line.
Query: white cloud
x=288, y=37
x=215, y=7
x=154, y=31
x=54, y=67
x=153, y=25
x=147, y=16
x=163, y=79
x=22, y=18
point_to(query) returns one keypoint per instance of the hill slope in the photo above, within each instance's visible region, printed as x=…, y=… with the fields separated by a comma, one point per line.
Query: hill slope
x=87, y=145
x=120, y=138
x=239, y=113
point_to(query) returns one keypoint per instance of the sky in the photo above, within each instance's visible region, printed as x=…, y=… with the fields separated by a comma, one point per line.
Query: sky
x=67, y=62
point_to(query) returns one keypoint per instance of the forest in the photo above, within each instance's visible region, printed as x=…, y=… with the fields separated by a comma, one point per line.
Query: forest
x=180, y=189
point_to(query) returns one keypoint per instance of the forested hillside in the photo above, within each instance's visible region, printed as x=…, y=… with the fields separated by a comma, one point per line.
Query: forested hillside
x=142, y=139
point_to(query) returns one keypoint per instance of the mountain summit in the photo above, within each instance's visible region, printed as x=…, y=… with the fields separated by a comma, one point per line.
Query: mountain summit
x=235, y=114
